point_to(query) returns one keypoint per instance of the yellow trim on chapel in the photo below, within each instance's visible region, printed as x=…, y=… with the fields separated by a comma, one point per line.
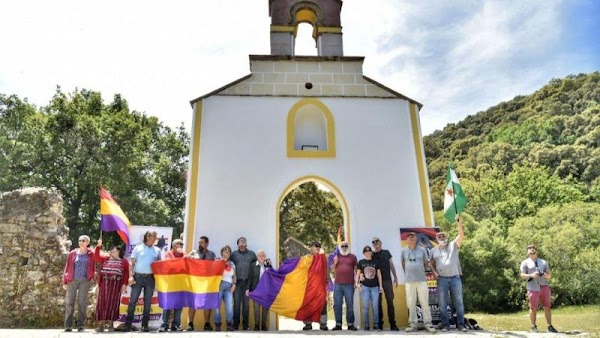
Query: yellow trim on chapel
x=416, y=132
x=291, y=152
x=190, y=227
x=332, y=187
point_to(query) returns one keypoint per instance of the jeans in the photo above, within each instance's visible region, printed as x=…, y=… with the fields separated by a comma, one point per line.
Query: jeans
x=388, y=291
x=370, y=298
x=176, y=318
x=227, y=297
x=145, y=281
x=240, y=299
x=78, y=288
x=454, y=284
x=420, y=290
x=343, y=292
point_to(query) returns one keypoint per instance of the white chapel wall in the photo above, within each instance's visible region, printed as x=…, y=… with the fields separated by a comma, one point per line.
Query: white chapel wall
x=244, y=169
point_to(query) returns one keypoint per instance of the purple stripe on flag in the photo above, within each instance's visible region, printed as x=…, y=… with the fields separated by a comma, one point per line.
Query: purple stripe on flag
x=181, y=299
x=113, y=223
x=270, y=283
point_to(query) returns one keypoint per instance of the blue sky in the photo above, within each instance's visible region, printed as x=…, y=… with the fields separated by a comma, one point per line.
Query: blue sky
x=457, y=57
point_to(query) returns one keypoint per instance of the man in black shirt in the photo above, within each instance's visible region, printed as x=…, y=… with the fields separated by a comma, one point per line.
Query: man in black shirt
x=243, y=260
x=386, y=265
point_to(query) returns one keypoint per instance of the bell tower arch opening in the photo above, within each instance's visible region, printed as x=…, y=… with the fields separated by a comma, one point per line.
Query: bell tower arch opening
x=323, y=15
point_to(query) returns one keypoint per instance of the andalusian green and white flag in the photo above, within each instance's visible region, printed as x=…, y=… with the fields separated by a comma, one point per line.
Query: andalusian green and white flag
x=454, y=197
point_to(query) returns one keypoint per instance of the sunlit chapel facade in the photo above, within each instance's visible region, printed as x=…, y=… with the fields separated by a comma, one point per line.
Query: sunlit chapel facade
x=295, y=119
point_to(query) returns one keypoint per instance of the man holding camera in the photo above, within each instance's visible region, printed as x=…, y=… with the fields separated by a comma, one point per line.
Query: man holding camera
x=537, y=273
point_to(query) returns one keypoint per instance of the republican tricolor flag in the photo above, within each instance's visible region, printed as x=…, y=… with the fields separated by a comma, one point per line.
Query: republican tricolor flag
x=454, y=197
x=185, y=282
x=112, y=217
x=296, y=290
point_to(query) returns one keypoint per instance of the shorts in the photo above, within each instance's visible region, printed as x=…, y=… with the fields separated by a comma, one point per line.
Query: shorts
x=543, y=296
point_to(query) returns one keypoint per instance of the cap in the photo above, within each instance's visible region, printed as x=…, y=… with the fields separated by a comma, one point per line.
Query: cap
x=316, y=244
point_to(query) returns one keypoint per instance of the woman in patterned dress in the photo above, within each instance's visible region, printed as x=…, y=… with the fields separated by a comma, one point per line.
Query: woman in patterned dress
x=112, y=281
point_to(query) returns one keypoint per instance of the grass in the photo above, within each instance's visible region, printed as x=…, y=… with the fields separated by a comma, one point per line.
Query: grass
x=568, y=318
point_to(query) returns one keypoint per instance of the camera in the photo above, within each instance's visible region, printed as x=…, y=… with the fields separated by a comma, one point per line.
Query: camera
x=540, y=273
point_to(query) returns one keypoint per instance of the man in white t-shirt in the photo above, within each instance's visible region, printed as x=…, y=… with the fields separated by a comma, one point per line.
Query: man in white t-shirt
x=446, y=268
x=537, y=273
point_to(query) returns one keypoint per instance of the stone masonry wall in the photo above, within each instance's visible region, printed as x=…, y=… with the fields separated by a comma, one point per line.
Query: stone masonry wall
x=33, y=248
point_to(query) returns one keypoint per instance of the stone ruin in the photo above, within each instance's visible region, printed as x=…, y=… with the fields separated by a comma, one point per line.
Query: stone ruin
x=33, y=251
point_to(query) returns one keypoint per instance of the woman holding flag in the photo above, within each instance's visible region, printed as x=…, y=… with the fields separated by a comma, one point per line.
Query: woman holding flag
x=112, y=281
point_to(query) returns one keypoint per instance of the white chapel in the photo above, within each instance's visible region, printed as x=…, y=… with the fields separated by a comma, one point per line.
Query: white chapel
x=295, y=119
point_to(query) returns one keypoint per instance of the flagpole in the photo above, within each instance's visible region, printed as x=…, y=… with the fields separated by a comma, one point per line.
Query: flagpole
x=454, y=192
x=101, y=212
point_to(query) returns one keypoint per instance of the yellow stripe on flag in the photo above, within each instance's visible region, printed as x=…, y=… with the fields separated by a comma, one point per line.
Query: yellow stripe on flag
x=189, y=283
x=291, y=296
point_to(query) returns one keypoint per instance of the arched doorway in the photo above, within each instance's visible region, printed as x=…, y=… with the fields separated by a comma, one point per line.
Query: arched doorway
x=329, y=188
x=317, y=185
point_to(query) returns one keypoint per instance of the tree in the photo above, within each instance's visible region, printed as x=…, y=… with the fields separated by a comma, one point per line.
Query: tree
x=310, y=214
x=78, y=142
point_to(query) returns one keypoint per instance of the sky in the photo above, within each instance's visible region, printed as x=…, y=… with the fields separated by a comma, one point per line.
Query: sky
x=456, y=57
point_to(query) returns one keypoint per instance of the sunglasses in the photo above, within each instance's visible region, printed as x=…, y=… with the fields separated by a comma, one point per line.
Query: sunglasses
x=82, y=240
x=344, y=246
x=317, y=246
x=367, y=251
x=375, y=242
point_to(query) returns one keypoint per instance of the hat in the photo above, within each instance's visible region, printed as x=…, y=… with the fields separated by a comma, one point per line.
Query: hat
x=441, y=233
x=177, y=241
x=411, y=233
x=316, y=244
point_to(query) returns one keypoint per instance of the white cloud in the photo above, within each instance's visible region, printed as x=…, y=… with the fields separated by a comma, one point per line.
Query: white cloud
x=455, y=57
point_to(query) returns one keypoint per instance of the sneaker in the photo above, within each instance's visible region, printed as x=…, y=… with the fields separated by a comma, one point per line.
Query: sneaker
x=552, y=329
x=246, y=328
x=337, y=328
x=462, y=329
x=207, y=327
x=534, y=328
x=430, y=328
x=256, y=328
x=394, y=328
x=145, y=329
x=376, y=328
x=307, y=327
x=323, y=327
x=445, y=329
x=217, y=326
x=190, y=327
x=351, y=328
x=80, y=329
x=100, y=329
x=68, y=329
x=230, y=327
x=163, y=329
x=410, y=329
x=366, y=328
x=264, y=328
x=176, y=328
x=126, y=328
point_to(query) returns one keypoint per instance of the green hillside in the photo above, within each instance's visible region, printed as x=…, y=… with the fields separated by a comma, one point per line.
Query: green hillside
x=530, y=168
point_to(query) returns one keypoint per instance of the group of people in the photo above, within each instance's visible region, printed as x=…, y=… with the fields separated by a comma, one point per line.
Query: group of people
x=374, y=277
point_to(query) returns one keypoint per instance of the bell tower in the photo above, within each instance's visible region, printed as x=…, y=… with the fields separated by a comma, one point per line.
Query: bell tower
x=323, y=15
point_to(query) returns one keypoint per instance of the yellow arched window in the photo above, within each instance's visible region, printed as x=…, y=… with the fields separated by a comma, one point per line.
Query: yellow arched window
x=310, y=130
